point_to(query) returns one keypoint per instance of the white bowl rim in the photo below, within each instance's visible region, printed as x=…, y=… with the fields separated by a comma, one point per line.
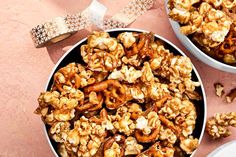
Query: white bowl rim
x=220, y=148
x=138, y=30
x=193, y=49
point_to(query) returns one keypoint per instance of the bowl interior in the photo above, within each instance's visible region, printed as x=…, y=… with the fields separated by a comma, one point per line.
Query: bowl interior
x=197, y=52
x=74, y=55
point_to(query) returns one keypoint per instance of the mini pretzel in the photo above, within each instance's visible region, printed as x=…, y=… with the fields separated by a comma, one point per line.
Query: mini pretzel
x=155, y=131
x=88, y=106
x=143, y=47
x=147, y=49
x=229, y=44
x=72, y=79
x=113, y=91
x=120, y=139
x=147, y=138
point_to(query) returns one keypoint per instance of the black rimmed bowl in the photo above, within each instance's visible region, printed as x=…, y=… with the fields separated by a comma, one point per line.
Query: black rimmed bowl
x=73, y=55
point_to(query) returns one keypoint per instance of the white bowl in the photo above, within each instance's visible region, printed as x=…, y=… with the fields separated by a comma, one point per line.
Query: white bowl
x=68, y=57
x=195, y=50
x=228, y=149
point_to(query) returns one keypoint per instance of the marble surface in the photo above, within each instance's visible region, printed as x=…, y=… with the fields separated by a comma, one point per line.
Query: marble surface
x=25, y=70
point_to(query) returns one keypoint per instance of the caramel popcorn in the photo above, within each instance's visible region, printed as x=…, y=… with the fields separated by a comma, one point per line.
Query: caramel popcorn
x=102, y=41
x=124, y=124
x=129, y=74
x=49, y=98
x=153, y=120
x=135, y=92
x=147, y=75
x=102, y=61
x=189, y=145
x=146, y=124
x=172, y=108
x=183, y=112
x=86, y=77
x=214, y=25
x=189, y=119
x=119, y=52
x=127, y=38
x=63, y=108
x=158, y=90
x=114, y=151
x=228, y=4
x=130, y=92
x=59, y=131
x=64, y=115
x=167, y=134
x=135, y=110
x=132, y=147
x=141, y=123
x=180, y=10
x=217, y=126
x=229, y=58
x=133, y=60
x=102, y=53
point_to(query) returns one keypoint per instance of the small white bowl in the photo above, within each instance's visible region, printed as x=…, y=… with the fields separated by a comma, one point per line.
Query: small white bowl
x=196, y=51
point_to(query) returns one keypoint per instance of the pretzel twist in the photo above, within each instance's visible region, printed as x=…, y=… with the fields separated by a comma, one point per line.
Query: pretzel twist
x=229, y=44
x=89, y=106
x=72, y=79
x=114, y=92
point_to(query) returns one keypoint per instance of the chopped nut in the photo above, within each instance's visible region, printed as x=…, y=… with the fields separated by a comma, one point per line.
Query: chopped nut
x=219, y=89
x=231, y=96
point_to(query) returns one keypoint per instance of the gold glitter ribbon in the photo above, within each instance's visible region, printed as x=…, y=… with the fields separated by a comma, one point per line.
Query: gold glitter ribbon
x=62, y=27
x=58, y=29
x=128, y=14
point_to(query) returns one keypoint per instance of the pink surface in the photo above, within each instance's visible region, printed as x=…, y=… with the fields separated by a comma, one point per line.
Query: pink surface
x=25, y=70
